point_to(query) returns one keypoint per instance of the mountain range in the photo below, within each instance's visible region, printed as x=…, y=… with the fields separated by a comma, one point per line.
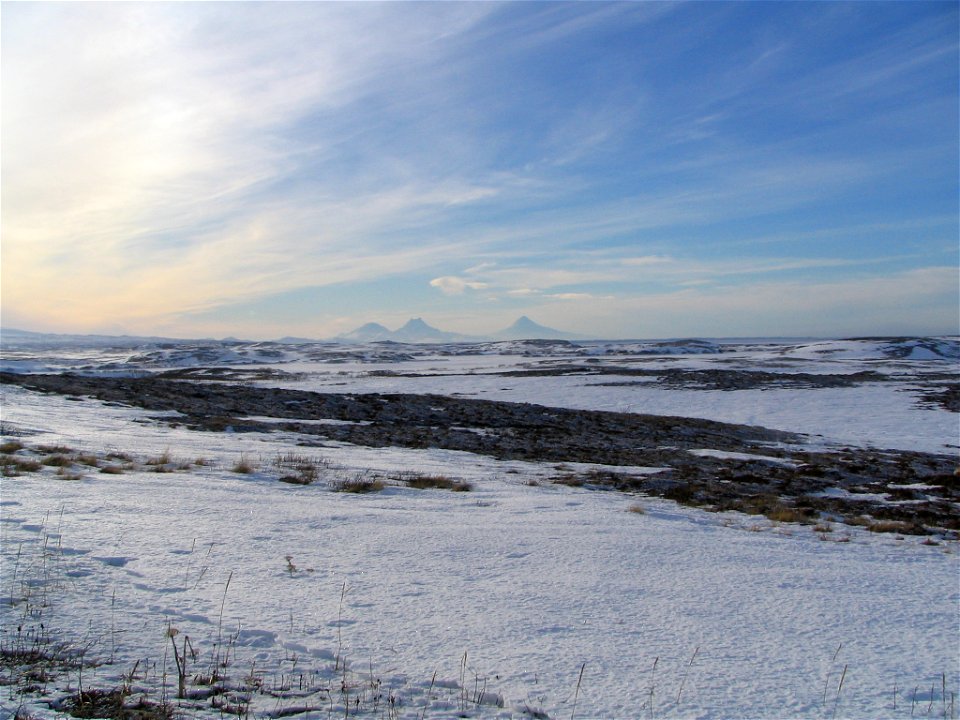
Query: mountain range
x=418, y=331
x=414, y=331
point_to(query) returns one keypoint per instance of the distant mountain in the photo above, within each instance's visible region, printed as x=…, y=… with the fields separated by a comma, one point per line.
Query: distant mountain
x=526, y=329
x=414, y=331
x=417, y=331
x=13, y=337
x=371, y=332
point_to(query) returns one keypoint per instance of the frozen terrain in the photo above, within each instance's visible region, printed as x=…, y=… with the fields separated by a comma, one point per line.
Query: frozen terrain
x=521, y=594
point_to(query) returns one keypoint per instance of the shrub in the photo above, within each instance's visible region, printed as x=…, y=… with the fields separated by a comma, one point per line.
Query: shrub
x=784, y=513
x=15, y=465
x=57, y=461
x=306, y=469
x=359, y=484
x=159, y=463
x=243, y=466
x=423, y=481
x=11, y=446
x=637, y=509
x=895, y=526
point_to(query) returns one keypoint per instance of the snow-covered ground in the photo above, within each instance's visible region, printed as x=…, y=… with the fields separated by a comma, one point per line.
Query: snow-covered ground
x=520, y=598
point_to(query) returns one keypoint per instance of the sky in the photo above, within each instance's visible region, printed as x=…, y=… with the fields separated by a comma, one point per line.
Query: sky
x=617, y=170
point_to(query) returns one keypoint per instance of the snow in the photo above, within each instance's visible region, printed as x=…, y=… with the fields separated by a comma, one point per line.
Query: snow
x=846, y=494
x=726, y=455
x=488, y=602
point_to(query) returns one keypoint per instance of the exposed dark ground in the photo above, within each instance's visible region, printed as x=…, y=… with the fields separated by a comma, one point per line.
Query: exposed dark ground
x=920, y=491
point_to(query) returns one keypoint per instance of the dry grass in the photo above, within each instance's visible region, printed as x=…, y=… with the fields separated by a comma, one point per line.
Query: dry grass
x=113, y=704
x=161, y=462
x=243, y=466
x=637, y=509
x=788, y=514
x=891, y=526
x=305, y=469
x=11, y=446
x=423, y=481
x=359, y=484
x=15, y=465
x=55, y=449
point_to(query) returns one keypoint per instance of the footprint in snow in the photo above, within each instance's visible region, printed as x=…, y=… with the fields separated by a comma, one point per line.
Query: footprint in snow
x=256, y=638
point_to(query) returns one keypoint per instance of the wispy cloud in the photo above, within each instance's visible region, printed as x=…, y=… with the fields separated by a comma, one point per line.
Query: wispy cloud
x=163, y=161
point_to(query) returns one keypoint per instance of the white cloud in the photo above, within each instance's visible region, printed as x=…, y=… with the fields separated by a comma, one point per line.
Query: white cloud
x=452, y=285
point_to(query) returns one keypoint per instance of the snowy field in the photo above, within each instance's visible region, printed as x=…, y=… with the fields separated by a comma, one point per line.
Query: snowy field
x=520, y=598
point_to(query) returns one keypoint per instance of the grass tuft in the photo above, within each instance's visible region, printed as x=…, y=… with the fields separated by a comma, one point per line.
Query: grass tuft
x=162, y=460
x=424, y=481
x=11, y=446
x=359, y=484
x=55, y=449
x=112, y=704
x=305, y=469
x=243, y=466
x=13, y=466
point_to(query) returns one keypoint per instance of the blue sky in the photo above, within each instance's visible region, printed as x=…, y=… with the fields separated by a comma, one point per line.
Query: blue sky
x=612, y=169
